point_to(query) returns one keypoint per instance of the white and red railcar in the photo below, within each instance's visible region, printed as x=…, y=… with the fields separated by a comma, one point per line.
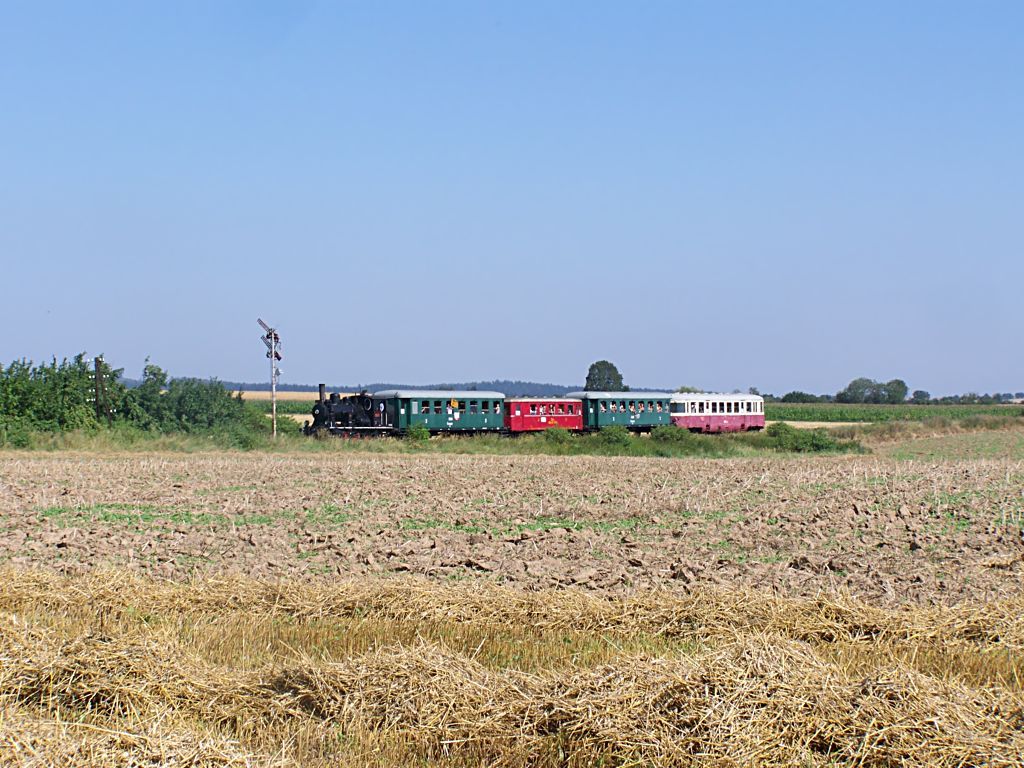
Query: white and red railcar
x=708, y=412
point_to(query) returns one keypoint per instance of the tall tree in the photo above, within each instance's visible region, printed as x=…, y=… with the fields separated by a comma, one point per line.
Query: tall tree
x=603, y=376
x=896, y=391
x=857, y=391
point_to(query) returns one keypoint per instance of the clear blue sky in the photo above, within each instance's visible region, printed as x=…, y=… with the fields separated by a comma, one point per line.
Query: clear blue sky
x=777, y=194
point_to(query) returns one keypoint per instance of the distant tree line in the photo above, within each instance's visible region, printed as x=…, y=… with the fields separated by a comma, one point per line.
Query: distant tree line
x=68, y=395
x=864, y=390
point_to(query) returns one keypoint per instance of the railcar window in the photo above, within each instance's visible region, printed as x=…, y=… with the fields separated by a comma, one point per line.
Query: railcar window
x=604, y=406
x=614, y=407
x=561, y=407
x=473, y=406
x=572, y=408
x=425, y=406
x=533, y=409
x=462, y=406
x=497, y=407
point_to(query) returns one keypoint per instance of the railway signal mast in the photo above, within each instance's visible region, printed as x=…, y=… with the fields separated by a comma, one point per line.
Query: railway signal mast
x=273, y=342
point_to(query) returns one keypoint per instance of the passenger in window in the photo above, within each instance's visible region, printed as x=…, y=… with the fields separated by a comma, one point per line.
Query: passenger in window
x=615, y=407
x=604, y=406
x=533, y=409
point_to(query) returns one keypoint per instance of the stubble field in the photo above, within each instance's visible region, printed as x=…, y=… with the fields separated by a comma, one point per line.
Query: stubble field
x=375, y=609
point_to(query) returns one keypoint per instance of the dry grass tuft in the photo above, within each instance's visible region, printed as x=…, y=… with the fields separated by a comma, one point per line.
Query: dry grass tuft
x=112, y=669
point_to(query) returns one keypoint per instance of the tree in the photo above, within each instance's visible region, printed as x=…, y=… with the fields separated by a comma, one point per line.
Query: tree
x=895, y=391
x=686, y=389
x=800, y=397
x=865, y=390
x=857, y=391
x=920, y=397
x=603, y=376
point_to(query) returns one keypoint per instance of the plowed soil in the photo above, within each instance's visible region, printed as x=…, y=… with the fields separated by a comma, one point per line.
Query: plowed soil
x=887, y=531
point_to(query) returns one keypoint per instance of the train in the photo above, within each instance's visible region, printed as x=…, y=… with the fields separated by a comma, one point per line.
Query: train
x=396, y=411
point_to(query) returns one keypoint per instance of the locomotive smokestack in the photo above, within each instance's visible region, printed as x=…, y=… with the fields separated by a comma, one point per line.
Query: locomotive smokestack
x=323, y=394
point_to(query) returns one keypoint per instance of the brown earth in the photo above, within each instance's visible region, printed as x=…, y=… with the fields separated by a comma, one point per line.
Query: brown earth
x=887, y=531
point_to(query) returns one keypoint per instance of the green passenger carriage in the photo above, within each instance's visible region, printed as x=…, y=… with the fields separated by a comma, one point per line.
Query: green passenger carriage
x=638, y=411
x=441, y=410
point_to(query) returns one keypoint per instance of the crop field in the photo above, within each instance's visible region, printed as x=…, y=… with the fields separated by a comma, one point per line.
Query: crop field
x=282, y=395
x=375, y=609
x=830, y=412
x=288, y=403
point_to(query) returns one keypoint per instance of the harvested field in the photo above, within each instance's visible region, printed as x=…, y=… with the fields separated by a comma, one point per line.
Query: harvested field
x=113, y=669
x=389, y=610
x=264, y=394
x=888, y=531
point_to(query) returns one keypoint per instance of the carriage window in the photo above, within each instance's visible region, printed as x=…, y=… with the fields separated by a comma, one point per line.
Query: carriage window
x=622, y=406
x=533, y=409
x=615, y=407
x=461, y=406
x=484, y=406
x=425, y=406
x=640, y=406
x=572, y=408
x=437, y=406
x=561, y=407
x=604, y=406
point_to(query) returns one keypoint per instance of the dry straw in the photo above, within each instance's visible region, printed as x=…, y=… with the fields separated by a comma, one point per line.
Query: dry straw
x=762, y=693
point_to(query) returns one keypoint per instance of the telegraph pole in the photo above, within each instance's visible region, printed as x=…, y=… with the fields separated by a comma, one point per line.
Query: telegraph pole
x=273, y=342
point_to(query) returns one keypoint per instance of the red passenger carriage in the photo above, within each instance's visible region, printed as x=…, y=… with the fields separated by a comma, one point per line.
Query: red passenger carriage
x=532, y=414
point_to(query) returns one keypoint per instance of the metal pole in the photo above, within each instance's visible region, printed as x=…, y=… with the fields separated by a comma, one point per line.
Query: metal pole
x=273, y=381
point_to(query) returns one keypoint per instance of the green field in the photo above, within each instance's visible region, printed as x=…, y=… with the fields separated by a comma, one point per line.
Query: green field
x=304, y=407
x=1002, y=444
x=882, y=413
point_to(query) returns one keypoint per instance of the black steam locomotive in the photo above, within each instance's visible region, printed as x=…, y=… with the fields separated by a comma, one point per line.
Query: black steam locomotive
x=350, y=415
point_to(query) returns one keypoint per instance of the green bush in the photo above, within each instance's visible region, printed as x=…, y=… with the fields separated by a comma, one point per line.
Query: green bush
x=558, y=437
x=616, y=436
x=783, y=437
x=417, y=433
